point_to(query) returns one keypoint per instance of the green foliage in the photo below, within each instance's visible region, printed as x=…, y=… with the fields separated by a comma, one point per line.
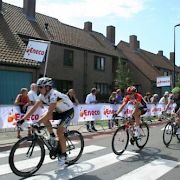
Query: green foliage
x=123, y=75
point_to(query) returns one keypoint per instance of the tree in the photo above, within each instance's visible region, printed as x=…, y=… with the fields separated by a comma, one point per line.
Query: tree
x=123, y=77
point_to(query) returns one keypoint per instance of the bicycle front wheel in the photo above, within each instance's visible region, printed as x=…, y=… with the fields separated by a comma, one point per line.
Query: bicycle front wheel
x=120, y=140
x=167, y=134
x=26, y=156
x=142, y=140
x=75, y=146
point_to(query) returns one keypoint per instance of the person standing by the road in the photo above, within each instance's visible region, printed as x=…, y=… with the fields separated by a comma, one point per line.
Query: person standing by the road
x=112, y=100
x=22, y=100
x=32, y=94
x=91, y=99
x=72, y=96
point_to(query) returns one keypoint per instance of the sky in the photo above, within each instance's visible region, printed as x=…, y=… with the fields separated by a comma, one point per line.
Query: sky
x=152, y=21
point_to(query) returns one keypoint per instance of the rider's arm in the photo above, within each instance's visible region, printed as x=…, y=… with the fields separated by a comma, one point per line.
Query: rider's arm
x=170, y=101
x=121, y=107
x=48, y=114
x=33, y=109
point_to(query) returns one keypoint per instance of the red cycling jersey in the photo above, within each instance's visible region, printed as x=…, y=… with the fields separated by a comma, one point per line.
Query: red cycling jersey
x=138, y=98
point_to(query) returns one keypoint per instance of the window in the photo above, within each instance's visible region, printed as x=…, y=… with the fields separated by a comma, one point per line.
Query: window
x=99, y=63
x=165, y=73
x=68, y=57
x=103, y=88
x=63, y=85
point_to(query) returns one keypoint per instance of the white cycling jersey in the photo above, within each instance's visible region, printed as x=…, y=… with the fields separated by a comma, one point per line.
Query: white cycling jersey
x=63, y=103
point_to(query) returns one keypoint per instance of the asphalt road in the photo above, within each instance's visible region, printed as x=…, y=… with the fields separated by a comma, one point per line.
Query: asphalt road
x=98, y=162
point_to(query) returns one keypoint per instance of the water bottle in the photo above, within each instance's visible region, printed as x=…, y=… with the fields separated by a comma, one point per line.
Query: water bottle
x=53, y=142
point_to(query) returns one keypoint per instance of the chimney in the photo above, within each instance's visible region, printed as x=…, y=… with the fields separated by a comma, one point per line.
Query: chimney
x=110, y=34
x=88, y=26
x=134, y=43
x=172, y=57
x=29, y=9
x=0, y=6
x=160, y=53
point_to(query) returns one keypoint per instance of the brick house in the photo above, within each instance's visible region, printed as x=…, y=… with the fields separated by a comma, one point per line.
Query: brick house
x=78, y=58
x=145, y=66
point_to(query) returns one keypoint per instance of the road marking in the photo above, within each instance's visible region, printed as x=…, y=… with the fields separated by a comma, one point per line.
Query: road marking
x=84, y=167
x=23, y=150
x=151, y=171
x=5, y=169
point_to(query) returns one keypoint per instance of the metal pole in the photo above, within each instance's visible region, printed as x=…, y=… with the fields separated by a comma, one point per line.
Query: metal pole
x=45, y=68
x=174, y=63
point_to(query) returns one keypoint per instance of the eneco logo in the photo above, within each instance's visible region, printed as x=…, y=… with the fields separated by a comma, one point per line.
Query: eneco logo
x=31, y=50
x=85, y=113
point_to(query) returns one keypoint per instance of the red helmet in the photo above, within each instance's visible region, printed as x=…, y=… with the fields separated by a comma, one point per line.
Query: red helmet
x=131, y=89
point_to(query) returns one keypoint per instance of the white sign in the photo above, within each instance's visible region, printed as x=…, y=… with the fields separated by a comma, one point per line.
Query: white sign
x=163, y=81
x=36, y=50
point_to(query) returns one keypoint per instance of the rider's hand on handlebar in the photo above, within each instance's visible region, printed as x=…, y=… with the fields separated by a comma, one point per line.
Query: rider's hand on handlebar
x=114, y=115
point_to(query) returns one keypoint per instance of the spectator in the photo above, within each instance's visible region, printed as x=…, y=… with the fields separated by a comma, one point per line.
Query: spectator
x=22, y=100
x=112, y=100
x=72, y=96
x=147, y=97
x=119, y=96
x=32, y=94
x=91, y=99
x=154, y=99
x=164, y=99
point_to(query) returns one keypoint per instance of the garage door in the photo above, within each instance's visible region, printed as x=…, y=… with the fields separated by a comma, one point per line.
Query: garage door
x=10, y=84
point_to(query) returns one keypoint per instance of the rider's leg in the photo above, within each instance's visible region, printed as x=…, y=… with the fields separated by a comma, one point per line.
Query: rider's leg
x=62, y=140
x=47, y=123
x=136, y=114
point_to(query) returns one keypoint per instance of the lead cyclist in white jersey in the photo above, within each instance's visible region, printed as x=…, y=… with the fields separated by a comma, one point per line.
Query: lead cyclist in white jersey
x=60, y=107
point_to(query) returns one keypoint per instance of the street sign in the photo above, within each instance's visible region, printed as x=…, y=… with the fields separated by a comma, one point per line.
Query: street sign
x=163, y=81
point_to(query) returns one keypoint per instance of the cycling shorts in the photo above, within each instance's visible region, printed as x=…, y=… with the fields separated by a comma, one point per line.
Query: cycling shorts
x=65, y=117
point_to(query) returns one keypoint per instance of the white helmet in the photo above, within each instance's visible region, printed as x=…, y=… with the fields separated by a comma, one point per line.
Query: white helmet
x=44, y=81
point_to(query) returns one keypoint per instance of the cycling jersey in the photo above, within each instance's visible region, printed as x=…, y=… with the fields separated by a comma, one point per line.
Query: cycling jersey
x=138, y=97
x=63, y=103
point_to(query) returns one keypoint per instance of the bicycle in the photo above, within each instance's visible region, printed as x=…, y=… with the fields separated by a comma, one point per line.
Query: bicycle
x=125, y=132
x=32, y=145
x=170, y=129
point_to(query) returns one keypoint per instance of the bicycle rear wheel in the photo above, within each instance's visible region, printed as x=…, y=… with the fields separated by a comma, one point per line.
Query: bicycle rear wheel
x=26, y=156
x=75, y=146
x=120, y=140
x=167, y=134
x=142, y=140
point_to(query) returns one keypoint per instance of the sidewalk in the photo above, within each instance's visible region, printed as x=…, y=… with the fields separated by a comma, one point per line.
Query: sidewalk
x=8, y=136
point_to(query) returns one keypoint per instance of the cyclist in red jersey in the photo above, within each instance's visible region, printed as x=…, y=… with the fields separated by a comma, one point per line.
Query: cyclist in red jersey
x=139, y=103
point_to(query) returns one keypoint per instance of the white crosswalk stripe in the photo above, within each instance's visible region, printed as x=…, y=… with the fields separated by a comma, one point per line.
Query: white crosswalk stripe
x=86, y=166
x=5, y=169
x=151, y=171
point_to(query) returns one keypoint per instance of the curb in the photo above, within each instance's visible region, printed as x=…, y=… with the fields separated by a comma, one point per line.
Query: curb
x=7, y=144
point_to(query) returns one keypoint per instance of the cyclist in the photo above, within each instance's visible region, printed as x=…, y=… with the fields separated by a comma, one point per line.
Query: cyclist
x=60, y=107
x=175, y=98
x=139, y=103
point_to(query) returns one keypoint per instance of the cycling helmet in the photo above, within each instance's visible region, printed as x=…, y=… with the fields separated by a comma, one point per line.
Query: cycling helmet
x=176, y=90
x=131, y=89
x=44, y=81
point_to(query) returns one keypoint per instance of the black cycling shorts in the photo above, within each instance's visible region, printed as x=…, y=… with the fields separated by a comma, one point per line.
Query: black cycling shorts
x=65, y=117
